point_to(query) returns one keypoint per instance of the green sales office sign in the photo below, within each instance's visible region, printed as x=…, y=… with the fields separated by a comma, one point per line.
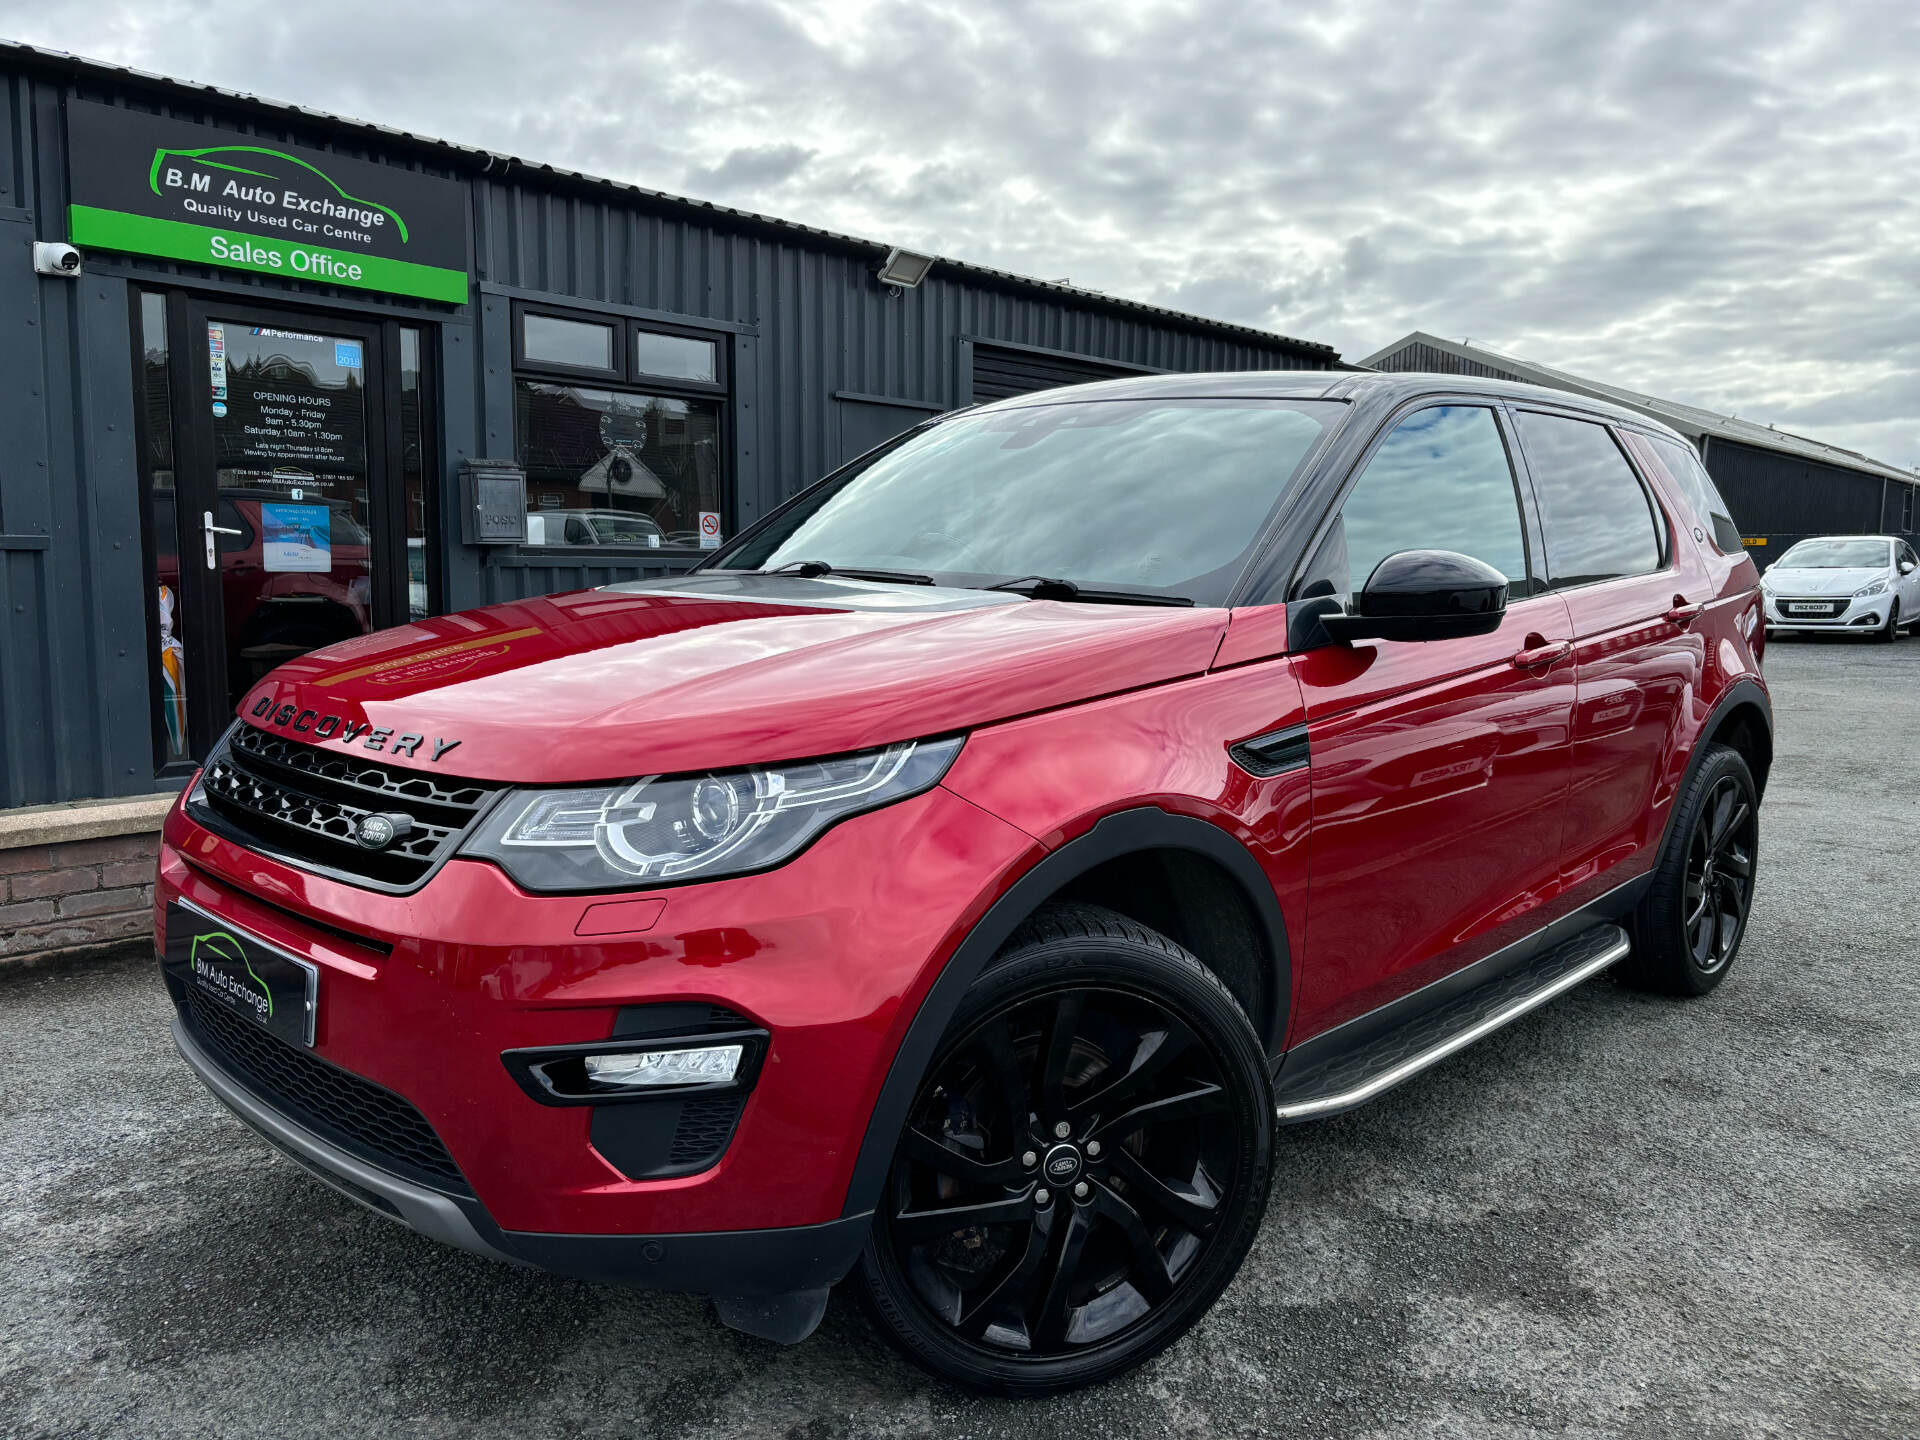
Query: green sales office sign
x=154, y=186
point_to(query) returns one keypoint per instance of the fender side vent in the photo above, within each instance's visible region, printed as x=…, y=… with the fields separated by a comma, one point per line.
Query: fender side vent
x=1274, y=753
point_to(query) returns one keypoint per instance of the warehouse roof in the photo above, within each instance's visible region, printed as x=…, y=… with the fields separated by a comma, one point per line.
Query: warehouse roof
x=497, y=163
x=1689, y=420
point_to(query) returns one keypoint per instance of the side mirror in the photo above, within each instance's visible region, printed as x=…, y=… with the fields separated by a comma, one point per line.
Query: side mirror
x=1906, y=567
x=1425, y=595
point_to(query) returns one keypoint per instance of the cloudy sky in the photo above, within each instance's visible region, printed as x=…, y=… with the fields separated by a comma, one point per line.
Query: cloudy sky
x=1717, y=201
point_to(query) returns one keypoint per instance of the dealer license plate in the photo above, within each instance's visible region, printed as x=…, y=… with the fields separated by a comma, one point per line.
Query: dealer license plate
x=1808, y=609
x=255, y=980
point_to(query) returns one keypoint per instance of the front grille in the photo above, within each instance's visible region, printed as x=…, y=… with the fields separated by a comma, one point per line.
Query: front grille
x=1790, y=607
x=302, y=803
x=355, y=1114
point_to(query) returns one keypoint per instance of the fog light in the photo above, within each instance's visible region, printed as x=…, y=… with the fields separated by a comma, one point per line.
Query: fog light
x=708, y=1065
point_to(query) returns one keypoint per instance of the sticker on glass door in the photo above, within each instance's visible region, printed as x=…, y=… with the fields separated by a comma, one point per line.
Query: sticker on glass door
x=217, y=363
x=296, y=538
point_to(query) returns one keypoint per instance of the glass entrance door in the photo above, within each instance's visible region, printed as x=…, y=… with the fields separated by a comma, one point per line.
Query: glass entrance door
x=283, y=504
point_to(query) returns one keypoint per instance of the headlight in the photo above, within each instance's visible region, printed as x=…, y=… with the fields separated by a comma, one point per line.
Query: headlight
x=685, y=827
x=1878, y=587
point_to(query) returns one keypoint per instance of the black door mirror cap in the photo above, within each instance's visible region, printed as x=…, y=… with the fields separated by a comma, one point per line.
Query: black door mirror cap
x=1425, y=595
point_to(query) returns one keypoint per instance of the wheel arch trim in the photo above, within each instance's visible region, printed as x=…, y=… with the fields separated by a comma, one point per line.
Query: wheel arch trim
x=1126, y=832
x=1743, y=693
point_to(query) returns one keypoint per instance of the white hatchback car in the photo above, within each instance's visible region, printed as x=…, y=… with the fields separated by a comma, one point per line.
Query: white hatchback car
x=1864, y=583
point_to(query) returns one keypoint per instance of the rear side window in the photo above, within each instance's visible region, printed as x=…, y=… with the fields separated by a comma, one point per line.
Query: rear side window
x=1440, y=481
x=1685, y=467
x=1599, y=520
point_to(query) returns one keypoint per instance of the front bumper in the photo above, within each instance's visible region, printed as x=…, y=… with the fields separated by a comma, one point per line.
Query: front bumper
x=420, y=995
x=727, y=1263
x=1868, y=613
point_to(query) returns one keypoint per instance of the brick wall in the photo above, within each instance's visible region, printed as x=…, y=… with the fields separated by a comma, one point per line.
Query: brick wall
x=74, y=896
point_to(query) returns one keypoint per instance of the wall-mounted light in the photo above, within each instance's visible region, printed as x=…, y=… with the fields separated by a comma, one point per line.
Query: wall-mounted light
x=904, y=269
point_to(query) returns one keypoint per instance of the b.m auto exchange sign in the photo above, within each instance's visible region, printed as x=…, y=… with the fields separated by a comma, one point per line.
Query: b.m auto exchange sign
x=149, y=185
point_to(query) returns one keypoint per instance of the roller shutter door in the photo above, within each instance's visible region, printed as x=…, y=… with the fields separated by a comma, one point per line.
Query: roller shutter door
x=998, y=373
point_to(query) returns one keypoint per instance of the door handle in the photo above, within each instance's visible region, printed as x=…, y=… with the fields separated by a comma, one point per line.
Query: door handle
x=1684, y=614
x=1543, y=653
x=211, y=529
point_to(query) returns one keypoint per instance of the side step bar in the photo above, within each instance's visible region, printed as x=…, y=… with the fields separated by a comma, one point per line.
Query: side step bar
x=1382, y=1062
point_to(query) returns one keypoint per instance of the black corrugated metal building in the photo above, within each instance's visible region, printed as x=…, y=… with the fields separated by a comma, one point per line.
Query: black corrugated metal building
x=1780, y=487
x=240, y=430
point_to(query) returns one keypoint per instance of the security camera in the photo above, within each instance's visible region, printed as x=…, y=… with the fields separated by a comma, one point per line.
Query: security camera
x=51, y=257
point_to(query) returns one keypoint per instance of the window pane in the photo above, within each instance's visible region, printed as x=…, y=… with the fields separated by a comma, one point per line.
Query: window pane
x=1441, y=481
x=673, y=356
x=567, y=342
x=1599, y=521
x=413, y=474
x=1684, y=465
x=169, y=652
x=1161, y=495
x=607, y=467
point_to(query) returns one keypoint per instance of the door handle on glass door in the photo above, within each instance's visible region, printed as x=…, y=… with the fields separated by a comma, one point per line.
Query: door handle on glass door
x=211, y=529
x=1683, y=613
x=1540, y=651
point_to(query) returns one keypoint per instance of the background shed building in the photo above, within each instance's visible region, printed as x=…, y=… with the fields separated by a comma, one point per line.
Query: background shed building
x=241, y=431
x=1780, y=487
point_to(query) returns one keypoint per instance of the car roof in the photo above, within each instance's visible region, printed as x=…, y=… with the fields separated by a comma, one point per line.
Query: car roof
x=1347, y=385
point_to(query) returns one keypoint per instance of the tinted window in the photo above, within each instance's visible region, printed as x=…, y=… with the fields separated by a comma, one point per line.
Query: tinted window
x=550, y=340
x=1440, y=481
x=603, y=455
x=1135, y=494
x=674, y=356
x=1702, y=494
x=1599, y=521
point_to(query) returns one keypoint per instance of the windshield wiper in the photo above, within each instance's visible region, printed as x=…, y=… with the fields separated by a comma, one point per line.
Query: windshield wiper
x=814, y=569
x=1046, y=587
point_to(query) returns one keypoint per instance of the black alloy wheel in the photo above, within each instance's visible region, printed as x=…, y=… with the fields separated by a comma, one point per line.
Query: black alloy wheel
x=1688, y=929
x=1084, y=1166
x=1719, y=883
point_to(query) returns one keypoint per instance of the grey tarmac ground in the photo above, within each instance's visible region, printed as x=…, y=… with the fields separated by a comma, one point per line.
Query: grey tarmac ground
x=1621, y=1216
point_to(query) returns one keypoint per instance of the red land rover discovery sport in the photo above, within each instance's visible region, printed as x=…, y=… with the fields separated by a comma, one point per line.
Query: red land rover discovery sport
x=952, y=882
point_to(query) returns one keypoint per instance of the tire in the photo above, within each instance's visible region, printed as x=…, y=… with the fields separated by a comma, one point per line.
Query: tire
x=1088, y=1252
x=1688, y=929
x=1889, y=632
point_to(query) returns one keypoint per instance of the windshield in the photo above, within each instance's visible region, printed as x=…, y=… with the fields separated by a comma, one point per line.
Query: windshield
x=1165, y=496
x=1837, y=555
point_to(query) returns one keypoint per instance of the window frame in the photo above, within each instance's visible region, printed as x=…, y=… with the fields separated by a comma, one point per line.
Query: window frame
x=1663, y=535
x=1531, y=536
x=164, y=766
x=624, y=373
x=719, y=385
x=626, y=378
x=524, y=361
